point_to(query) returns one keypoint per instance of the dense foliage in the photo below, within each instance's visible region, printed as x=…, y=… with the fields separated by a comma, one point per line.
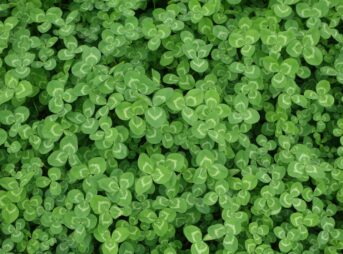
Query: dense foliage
x=180, y=126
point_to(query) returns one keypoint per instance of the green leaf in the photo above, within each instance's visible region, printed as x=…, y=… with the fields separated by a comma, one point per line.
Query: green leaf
x=156, y=117
x=6, y=95
x=199, y=65
x=69, y=144
x=241, y=103
x=205, y=158
x=289, y=67
x=58, y=158
x=160, y=226
x=192, y=233
x=210, y=7
x=126, y=180
x=100, y=204
x=282, y=10
x=304, y=10
x=285, y=245
x=161, y=96
x=143, y=184
x=251, y=116
x=81, y=69
x=230, y=242
x=9, y=213
x=3, y=136
x=313, y=56
x=52, y=130
x=120, y=234
x=200, y=248
x=91, y=55
x=175, y=162
x=24, y=89
x=145, y=164
x=9, y=183
x=249, y=182
x=236, y=39
x=294, y=48
x=217, y=171
x=161, y=175
x=97, y=165
x=137, y=126
x=215, y=231
x=109, y=247
x=194, y=97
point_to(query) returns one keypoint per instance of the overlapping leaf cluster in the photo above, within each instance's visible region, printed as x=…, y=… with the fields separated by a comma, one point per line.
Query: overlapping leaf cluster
x=180, y=126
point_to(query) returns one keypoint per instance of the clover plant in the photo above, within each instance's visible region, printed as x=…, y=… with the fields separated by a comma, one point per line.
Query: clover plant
x=171, y=126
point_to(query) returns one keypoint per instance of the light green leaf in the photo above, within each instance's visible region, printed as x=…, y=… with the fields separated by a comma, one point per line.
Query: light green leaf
x=156, y=116
x=192, y=233
x=143, y=184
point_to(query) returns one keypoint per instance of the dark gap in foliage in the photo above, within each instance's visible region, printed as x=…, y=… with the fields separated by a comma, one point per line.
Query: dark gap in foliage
x=151, y=4
x=275, y=245
x=253, y=3
x=157, y=4
x=339, y=27
x=314, y=230
x=217, y=215
x=34, y=30
x=334, y=142
x=338, y=217
x=331, y=40
x=65, y=4
x=97, y=245
x=39, y=112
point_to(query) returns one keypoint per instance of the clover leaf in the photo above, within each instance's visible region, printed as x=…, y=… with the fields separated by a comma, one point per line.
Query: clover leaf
x=155, y=33
x=307, y=48
x=196, y=51
x=67, y=152
x=194, y=235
